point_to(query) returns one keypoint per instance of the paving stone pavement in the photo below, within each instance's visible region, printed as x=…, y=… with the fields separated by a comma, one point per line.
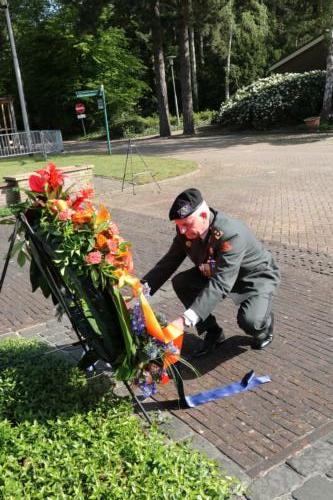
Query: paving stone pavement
x=278, y=439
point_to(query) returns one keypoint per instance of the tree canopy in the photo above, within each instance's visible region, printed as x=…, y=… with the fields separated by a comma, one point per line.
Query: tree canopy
x=67, y=45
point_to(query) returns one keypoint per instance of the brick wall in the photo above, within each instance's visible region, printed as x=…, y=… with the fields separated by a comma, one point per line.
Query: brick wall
x=80, y=175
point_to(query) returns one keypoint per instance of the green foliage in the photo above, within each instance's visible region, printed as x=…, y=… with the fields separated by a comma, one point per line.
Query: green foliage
x=204, y=117
x=86, y=51
x=63, y=436
x=128, y=126
x=277, y=100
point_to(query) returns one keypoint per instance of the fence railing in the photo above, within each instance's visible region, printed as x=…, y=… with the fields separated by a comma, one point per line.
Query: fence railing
x=37, y=141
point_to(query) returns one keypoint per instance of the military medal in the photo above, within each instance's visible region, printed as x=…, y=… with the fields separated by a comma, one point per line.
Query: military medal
x=188, y=243
x=217, y=234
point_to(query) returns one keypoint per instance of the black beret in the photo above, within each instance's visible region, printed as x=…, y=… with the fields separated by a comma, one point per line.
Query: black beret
x=185, y=204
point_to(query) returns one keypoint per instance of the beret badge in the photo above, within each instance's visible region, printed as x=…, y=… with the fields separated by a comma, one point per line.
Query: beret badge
x=184, y=211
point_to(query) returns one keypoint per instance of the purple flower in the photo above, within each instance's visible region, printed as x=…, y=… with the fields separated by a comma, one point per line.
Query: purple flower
x=152, y=350
x=137, y=319
x=148, y=389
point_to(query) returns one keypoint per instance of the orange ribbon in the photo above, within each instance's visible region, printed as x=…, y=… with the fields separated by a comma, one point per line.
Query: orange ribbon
x=168, y=334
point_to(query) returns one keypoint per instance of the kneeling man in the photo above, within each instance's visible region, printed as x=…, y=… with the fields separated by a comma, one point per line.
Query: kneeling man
x=228, y=260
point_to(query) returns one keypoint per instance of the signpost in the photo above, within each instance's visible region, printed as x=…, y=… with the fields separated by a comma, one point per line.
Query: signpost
x=80, y=111
x=80, y=108
x=100, y=94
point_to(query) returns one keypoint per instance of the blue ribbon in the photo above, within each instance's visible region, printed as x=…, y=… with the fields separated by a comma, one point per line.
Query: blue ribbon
x=248, y=382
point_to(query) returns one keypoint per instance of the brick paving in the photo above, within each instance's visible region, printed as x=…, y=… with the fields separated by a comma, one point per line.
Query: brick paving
x=278, y=418
x=280, y=185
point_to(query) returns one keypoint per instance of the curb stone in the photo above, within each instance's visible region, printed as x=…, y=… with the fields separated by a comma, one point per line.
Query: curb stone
x=316, y=487
x=275, y=483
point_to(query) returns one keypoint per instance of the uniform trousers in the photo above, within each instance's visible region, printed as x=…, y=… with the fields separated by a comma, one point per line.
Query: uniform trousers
x=254, y=314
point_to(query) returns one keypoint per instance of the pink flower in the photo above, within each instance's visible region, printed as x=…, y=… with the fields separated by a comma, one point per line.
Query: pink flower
x=93, y=258
x=113, y=246
x=113, y=228
x=110, y=259
x=65, y=215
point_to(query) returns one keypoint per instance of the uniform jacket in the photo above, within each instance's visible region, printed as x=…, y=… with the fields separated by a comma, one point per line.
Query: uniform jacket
x=239, y=262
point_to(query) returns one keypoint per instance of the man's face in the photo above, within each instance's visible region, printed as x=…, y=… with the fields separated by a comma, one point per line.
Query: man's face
x=193, y=226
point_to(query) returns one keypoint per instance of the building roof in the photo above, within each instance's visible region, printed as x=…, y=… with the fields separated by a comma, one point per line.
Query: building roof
x=307, y=58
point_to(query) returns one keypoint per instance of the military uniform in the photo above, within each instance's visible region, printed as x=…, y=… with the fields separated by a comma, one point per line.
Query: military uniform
x=237, y=264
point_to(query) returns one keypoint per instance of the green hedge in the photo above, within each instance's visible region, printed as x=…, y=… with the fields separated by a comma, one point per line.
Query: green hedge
x=65, y=437
x=277, y=100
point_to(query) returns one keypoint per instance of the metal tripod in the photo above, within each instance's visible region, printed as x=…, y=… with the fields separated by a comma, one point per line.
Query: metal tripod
x=129, y=165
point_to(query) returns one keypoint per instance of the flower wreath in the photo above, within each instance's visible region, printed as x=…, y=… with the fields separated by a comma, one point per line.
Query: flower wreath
x=86, y=247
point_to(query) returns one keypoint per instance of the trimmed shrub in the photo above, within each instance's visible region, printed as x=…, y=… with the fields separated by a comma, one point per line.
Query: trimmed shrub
x=134, y=125
x=63, y=436
x=277, y=100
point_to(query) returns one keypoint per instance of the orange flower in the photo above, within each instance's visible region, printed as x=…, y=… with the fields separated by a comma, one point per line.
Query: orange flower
x=103, y=215
x=128, y=262
x=82, y=216
x=101, y=241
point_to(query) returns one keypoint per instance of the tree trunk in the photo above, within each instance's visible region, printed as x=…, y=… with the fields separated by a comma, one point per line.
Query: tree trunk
x=185, y=67
x=194, y=79
x=327, y=102
x=159, y=69
x=193, y=69
x=227, y=68
x=201, y=49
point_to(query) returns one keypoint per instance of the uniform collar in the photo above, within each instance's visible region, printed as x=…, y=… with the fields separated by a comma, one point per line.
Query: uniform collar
x=211, y=219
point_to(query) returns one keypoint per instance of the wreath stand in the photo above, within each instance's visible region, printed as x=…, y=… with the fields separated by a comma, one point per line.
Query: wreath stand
x=90, y=342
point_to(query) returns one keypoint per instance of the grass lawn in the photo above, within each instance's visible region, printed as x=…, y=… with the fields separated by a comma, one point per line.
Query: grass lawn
x=63, y=436
x=107, y=165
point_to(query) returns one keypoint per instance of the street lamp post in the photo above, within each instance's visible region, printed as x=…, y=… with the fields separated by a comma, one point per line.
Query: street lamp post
x=4, y=5
x=170, y=59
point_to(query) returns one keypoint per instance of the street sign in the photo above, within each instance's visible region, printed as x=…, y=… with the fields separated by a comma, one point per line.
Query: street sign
x=87, y=93
x=81, y=116
x=80, y=108
x=101, y=103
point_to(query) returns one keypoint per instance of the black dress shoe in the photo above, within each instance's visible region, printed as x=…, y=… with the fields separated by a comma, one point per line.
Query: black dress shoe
x=264, y=339
x=212, y=340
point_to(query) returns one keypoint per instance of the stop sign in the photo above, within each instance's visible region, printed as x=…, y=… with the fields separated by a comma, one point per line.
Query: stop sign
x=80, y=108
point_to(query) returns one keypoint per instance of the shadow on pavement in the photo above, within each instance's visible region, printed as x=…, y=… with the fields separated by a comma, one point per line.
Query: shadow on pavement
x=231, y=347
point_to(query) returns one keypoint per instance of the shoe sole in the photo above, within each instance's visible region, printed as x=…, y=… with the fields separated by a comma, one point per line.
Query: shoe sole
x=263, y=344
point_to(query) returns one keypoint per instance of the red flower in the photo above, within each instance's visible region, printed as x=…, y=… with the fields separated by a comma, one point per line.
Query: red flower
x=50, y=178
x=38, y=181
x=84, y=195
x=56, y=178
x=164, y=378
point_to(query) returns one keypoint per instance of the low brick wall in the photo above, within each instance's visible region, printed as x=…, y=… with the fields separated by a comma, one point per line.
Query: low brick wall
x=80, y=175
x=7, y=196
